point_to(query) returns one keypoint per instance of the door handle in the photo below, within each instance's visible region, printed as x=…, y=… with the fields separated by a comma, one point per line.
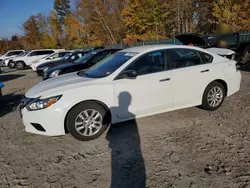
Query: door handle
x=207, y=70
x=164, y=80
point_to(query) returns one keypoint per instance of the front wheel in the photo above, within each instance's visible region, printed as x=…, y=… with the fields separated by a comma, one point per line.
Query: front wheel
x=20, y=65
x=87, y=121
x=213, y=96
x=12, y=65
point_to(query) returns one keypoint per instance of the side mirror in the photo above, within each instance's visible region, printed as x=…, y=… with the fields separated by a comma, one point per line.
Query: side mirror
x=129, y=74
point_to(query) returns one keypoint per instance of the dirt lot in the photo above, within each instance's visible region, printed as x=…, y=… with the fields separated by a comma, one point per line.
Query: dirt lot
x=186, y=148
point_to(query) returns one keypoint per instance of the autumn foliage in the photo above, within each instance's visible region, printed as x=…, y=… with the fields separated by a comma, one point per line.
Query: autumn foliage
x=101, y=22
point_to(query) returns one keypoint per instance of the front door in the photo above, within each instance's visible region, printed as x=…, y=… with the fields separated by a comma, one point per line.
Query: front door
x=150, y=92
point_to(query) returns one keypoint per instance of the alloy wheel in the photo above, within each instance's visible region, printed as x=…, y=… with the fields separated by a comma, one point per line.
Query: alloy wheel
x=88, y=122
x=215, y=96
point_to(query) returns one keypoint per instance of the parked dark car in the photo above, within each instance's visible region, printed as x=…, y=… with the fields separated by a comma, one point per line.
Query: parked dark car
x=67, y=59
x=83, y=63
x=229, y=41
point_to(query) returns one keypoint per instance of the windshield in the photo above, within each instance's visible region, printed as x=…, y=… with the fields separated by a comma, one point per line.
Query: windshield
x=49, y=55
x=108, y=65
x=85, y=58
x=66, y=57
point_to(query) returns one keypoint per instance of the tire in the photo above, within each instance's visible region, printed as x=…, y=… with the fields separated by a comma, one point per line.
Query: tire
x=208, y=104
x=246, y=56
x=12, y=65
x=20, y=65
x=75, y=119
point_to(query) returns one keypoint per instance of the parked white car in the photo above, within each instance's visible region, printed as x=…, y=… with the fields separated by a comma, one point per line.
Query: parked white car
x=132, y=83
x=6, y=61
x=25, y=61
x=9, y=54
x=52, y=57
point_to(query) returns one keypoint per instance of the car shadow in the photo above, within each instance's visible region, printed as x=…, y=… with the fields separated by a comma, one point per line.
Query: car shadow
x=8, y=70
x=5, y=78
x=245, y=68
x=9, y=103
x=127, y=163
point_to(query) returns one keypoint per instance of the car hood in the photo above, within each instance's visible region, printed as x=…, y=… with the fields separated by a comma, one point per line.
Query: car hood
x=61, y=66
x=52, y=63
x=58, y=85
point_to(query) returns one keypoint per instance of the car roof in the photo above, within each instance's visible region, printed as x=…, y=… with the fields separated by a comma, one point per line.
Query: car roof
x=148, y=48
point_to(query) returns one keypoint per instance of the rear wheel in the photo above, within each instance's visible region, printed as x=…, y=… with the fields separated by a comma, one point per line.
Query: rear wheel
x=87, y=121
x=20, y=65
x=213, y=96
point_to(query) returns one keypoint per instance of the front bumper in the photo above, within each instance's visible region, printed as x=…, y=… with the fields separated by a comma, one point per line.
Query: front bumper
x=49, y=121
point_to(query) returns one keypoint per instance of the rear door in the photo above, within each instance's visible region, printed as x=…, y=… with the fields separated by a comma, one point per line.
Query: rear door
x=191, y=73
x=38, y=54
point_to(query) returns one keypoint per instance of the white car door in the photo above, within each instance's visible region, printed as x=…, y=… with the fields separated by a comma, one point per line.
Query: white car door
x=191, y=73
x=36, y=55
x=31, y=57
x=150, y=92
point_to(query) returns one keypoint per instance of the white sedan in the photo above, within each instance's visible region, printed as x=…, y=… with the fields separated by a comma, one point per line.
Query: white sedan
x=132, y=83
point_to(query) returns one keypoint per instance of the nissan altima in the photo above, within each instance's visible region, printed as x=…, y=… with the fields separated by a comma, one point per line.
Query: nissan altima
x=132, y=83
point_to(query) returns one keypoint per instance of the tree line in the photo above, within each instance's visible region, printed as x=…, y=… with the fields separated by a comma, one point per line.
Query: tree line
x=100, y=22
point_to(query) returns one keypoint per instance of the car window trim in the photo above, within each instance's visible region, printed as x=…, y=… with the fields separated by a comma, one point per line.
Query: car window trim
x=200, y=52
x=164, y=63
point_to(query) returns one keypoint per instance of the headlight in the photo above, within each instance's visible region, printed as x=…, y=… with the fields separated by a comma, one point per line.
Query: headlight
x=39, y=104
x=54, y=74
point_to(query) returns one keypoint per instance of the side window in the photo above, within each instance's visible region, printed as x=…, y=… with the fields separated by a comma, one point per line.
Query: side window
x=100, y=56
x=8, y=54
x=73, y=57
x=55, y=56
x=34, y=53
x=181, y=58
x=44, y=52
x=17, y=52
x=61, y=54
x=207, y=58
x=150, y=63
x=14, y=53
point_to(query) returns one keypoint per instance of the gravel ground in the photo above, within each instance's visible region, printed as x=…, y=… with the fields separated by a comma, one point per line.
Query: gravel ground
x=186, y=148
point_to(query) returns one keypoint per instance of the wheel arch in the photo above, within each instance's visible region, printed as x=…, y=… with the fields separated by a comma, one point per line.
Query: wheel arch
x=221, y=82
x=91, y=100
